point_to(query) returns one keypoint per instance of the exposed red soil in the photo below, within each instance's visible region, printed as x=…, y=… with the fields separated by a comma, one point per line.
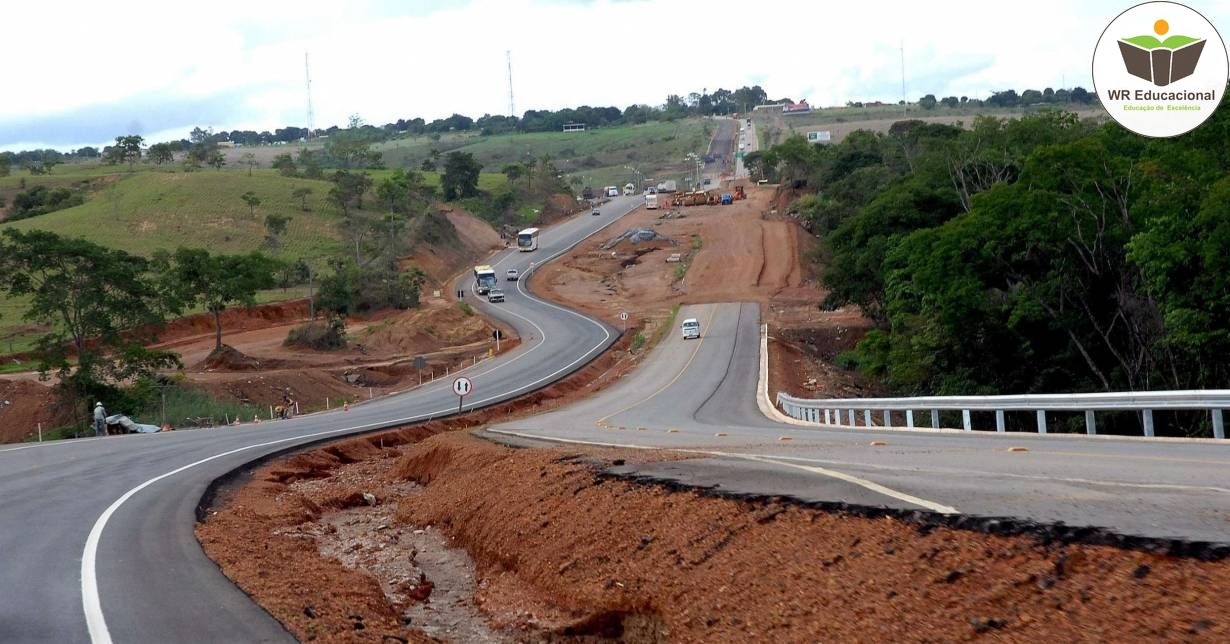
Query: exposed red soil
x=23, y=405
x=748, y=251
x=251, y=534
x=563, y=553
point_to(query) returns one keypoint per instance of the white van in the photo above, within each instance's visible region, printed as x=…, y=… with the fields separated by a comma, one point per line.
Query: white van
x=691, y=329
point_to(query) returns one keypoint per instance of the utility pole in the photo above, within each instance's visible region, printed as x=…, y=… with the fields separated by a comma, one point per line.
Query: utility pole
x=512, y=106
x=904, y=102
x=307, y=82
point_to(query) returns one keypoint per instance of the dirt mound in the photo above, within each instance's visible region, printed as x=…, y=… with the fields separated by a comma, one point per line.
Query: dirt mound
x=230, y=359
x=424, y=330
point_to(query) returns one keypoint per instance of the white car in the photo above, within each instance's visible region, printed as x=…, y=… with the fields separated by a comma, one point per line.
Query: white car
x=495, y=295
x=690, y=329
x=512, y=275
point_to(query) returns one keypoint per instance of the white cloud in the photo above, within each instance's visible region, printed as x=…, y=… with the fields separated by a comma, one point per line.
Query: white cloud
x=385, y=62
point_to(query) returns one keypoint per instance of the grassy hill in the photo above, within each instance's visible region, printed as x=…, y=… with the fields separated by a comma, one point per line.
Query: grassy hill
x=151, y=208
x=596, y=157
x=773, y=127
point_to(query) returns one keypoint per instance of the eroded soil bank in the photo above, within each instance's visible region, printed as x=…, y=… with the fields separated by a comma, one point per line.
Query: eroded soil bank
x=562, y=552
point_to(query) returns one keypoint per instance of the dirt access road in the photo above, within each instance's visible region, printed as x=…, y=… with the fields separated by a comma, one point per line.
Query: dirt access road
x=749, y=251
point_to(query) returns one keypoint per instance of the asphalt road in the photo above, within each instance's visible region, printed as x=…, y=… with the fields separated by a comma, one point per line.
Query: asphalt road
x=699, y=397
x=97, y=536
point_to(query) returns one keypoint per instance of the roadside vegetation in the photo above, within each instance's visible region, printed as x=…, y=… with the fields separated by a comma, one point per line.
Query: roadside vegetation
x=1040, y=254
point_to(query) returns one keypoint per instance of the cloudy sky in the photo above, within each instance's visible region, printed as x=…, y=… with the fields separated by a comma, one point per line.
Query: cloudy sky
x=79, y=73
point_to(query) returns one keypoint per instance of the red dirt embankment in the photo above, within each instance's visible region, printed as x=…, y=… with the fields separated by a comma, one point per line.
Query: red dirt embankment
x=564, y=553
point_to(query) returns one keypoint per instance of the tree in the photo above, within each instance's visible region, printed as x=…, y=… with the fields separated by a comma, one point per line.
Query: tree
x=217, y=159
x=460, y=178
x=193, y=278
x=348, y=189
x=927, y=102
x=275, y=228
x=161, y=153
x=5, y=166
x=252, y=200
x=249, y=159
x=98, y=304
x=949, y=101
x=302, y=194
x=309, y=160
x=285, y=165
x=129, y=148
x=512, y=171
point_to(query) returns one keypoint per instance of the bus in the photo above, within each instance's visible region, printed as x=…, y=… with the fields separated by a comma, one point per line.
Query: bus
x=484, y=279
x=527, y=240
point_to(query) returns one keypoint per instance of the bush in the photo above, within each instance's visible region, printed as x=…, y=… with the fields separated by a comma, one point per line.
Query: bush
x=321, y=336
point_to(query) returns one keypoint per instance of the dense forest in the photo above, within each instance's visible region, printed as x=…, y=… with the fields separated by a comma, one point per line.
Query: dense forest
x=1041, y=254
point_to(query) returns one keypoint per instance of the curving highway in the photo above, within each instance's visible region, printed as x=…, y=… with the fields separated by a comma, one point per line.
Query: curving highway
x=699, y=398
x=96, y=535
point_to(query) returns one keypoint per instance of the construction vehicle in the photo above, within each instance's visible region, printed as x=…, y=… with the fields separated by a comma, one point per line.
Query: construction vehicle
x=667, y=186
x=727, y=199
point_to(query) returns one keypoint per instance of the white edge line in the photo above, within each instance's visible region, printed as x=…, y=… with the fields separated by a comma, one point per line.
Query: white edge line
x=91, y=602
x=863, y=483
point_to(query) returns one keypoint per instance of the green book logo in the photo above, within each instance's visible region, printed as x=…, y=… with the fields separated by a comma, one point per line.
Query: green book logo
x=1161, y=62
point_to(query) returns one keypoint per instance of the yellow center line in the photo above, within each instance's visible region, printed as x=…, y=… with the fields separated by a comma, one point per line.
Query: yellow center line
x=695, y=352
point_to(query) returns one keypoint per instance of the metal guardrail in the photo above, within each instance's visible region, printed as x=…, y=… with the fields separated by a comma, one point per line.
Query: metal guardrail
x=830, y=411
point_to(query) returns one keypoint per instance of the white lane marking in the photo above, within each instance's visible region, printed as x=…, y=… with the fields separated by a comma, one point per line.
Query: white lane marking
x=863, y=483
x=91, y=601
x=1027, y=477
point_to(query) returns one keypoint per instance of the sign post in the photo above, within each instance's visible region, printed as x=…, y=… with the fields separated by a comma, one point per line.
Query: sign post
x=462, y=386
x=496, y=334
x=419, y=363
x=623, y=321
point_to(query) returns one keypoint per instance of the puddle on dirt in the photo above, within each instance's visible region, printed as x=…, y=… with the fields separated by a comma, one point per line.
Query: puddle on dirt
x=427, y=580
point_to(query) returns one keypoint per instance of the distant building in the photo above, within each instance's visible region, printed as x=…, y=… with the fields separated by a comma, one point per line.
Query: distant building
x=769, y=107
x=226, y=144
x=796, y=108
x=574, y=127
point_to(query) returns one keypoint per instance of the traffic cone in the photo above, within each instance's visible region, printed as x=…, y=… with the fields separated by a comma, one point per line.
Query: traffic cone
x=345, y=406
x=166, y=427
x=256, y=419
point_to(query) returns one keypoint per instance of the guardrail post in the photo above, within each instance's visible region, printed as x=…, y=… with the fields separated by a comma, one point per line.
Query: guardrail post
x=1148, y=422
x=867, y=418
x=828, y=417
x=909, y=418
x=965, y=422
x=888, y=418
x=935, y=419
x=852, y=423
x=1219, y=428
x=1041, y=421
x=1091, y=425
x=999, y=420
x=814, y=416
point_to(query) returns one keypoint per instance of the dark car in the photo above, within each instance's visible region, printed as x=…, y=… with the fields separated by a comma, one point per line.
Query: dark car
x=596, y=212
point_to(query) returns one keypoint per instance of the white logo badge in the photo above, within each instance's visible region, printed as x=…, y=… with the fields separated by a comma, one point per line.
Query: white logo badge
x=1160, y=69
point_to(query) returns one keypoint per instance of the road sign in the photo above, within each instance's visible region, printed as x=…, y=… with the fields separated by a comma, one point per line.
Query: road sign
x=819, y=136
x=623, y=316
x=461, y=387
x=420, y=362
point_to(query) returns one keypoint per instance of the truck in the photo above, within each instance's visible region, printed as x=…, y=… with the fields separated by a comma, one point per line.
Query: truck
x=651, y=202
x=484, y=279
x=667, y=186
x=611, y=191
x=629, y=189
